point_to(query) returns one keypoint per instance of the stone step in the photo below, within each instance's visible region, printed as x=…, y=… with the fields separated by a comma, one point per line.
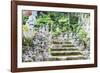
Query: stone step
x=59, y=42
x=67, y=58
x=64, y=45
x=65, y=49
x=67, y=54
x=60, y=47
x=76, y=58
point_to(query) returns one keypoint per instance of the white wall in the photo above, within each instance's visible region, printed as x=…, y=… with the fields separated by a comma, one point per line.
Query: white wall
x=5, y=49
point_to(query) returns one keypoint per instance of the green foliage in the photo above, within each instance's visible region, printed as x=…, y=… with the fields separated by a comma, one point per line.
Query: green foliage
x=27, y=41
x=25, y=18
x=57, y=20
x=82, y=34
x=73, y=19
x=25, y=28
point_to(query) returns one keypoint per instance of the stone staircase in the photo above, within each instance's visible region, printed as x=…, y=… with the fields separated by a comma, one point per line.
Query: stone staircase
x=65, y=50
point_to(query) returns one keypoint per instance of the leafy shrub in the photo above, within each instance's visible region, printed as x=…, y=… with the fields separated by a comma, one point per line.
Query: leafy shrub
x=26, y=41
